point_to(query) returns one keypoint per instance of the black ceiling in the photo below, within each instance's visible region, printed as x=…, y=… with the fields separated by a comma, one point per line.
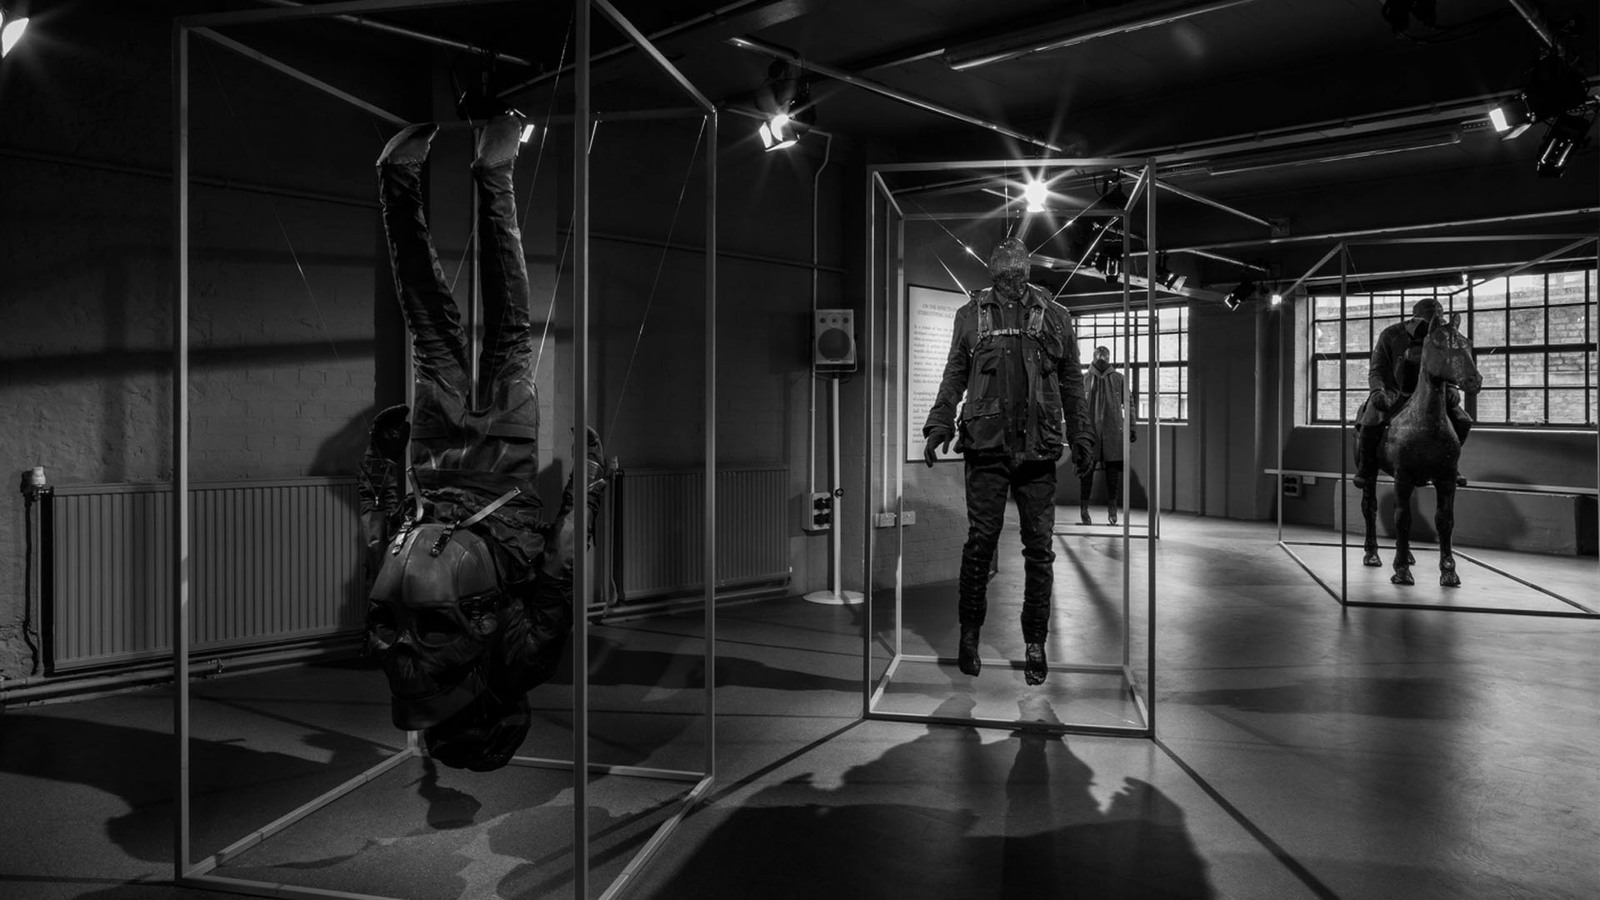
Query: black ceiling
x=1266, y=83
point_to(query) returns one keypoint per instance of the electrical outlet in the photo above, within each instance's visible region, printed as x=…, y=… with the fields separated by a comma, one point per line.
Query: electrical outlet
x=884, y=520
x=1308, y=479
x=909, y=517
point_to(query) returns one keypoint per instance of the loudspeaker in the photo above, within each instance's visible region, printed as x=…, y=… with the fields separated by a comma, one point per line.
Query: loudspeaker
x=833, y=341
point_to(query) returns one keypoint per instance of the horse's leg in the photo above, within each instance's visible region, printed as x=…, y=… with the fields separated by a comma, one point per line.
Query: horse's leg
x=1369, y=511
x=1402, y=527
x=1444, y=521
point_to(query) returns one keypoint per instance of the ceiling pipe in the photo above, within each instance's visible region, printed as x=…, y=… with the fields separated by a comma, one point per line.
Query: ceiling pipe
x=780, y=11
x=1396, y=229
x=1078, y=29
x=1535, y=19
x=423, y=36
x=776, y=52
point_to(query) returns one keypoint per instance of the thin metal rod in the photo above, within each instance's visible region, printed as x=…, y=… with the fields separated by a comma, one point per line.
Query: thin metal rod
x=1344, y=434
x=1526, y=583
x=711, y=18
x=1309, y=571
x=317, y=11
x=1524, y=265
x=1089, y=162
x=1154, y=450
x=180, y=449
x=1214, y=204
x=1531, y=14
x=270, y=889
x=713, y=153
x=1289, y=304
x=305, y=809
x=1316, y=267
x=1079, y=29
x=836, y=523
x=1133, y=730
x=423, y=36
x=580, y=467
x=297, y=75
x=594, y=768
x=1395, y=229
x=759, y=46
x=657, y=840
x=1362, y=277
x=643, y=43
x=874, y=184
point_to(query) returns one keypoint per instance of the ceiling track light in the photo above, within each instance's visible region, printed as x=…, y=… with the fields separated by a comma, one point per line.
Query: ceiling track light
x=11, y=30
x=1244, y=290
x=1568, y=132
x=787, y=100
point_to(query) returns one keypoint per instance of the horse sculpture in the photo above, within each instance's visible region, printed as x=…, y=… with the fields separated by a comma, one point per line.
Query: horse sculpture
x=1420, y=447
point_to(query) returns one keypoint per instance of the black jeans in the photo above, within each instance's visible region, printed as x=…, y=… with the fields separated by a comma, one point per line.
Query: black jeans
x=472, y=443
x=1032, y=485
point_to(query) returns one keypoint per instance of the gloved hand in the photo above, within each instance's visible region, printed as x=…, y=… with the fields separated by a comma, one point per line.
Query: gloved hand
x=391, y=432
x=1133, y=436
x=938, y=441
x=1083, y=454
x=1391, y=398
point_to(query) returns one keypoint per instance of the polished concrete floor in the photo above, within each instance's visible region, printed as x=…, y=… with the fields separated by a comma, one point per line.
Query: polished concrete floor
x=1303, y=750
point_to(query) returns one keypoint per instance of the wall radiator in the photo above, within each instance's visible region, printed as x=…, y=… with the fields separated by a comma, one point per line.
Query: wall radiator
x=658, y=534
x=273, y=561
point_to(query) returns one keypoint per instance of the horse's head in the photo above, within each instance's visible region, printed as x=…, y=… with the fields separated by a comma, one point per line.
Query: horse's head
x=1447, y=355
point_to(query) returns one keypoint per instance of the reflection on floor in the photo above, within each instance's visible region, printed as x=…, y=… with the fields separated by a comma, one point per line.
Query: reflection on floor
x=1304, y=751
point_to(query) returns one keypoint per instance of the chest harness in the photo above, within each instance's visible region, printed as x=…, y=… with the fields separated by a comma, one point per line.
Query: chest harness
x=1034, y=329
x=414, y=518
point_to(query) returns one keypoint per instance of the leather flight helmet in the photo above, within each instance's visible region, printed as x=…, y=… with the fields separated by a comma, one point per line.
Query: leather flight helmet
x=432, y=620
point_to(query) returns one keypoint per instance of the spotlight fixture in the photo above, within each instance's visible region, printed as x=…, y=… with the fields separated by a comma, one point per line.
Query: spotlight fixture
x=527, y=132
x=1553, y=86
x=10, y=32
x=1035, y=193
x=789, y=100
x=1112, y=194
x=1569, y=132
x=1240, y=293
x=1167, y=278
x=1276, y=298
x=1511, y=118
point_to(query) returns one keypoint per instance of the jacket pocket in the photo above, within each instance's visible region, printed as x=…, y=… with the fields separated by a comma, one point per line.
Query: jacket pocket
x=982, y=426
x=1050, y=424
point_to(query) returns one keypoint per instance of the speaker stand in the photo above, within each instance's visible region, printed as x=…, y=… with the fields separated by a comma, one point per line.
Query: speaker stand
x=837, y=596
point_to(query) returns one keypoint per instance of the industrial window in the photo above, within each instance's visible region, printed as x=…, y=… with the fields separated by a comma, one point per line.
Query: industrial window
x=1533, y=335
x=1107, y=329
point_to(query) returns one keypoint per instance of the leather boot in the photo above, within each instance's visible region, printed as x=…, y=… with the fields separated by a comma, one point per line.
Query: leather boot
x=498, y=142
x=594, y=458
x=1034, y=666
x=1083, y=514
x=410, y=146
x=967, y=658
x=1113, y=491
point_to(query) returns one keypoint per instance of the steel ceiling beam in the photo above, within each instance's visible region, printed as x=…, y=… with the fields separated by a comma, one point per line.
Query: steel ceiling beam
x=758, y=46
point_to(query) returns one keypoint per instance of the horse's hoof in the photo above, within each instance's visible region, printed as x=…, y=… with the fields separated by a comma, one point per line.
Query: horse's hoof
x=1372, y=559
x=1410, y=559
x=1449, y=579
x=1402, y=577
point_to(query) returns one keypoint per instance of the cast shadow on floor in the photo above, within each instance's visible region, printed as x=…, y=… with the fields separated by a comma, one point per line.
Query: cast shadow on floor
x=947, y=815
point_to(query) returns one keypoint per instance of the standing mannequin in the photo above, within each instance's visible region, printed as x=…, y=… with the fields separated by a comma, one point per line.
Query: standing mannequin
x=1104, y=388
x=1014, y=357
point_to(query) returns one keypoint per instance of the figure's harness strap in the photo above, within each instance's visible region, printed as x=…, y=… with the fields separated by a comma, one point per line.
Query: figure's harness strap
x=986, y=329
x=415, y=518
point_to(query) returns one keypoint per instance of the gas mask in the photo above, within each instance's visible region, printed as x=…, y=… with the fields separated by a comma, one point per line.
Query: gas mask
x=433, y=620
x=1008, y=267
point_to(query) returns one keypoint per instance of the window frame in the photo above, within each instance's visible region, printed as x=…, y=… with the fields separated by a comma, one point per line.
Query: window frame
x=1469, y=303
x=1108, y=326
